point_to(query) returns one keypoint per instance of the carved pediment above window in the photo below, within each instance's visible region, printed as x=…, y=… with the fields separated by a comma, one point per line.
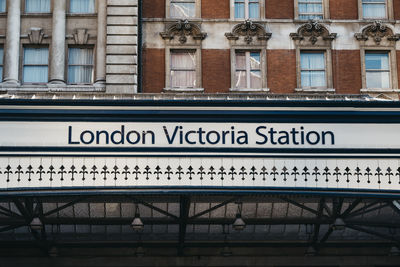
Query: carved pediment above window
x=81, y=36
x=248, y=29
x=36, y=35
x=377, y=32
x=311, y=31
x=183, y=28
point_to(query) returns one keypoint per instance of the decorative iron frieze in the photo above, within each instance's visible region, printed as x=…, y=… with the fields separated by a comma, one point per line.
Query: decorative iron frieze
x=377, y=32
x=183, y=28
x=312, y=30
x=249, y=30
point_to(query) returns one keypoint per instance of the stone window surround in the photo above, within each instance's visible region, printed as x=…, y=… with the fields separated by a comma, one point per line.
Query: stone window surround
x=197, y=11
x=325, y=6
x=168, y=87
x=328, y=68
x=263, y=56
x=393, y=69
x=232, y=9
x=389, y=11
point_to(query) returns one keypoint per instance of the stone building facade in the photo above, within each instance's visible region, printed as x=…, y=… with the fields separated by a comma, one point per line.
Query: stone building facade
x=69, y=46
x=346, y=34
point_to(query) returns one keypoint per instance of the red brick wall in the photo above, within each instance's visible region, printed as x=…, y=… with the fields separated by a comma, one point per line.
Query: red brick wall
x=281, y=71
x=215, y=9
x=216, y=68
x=279, y=9
x=153, y=70
x=346, y=71
x=344, y=9
x=396, y=7
x=153, y=8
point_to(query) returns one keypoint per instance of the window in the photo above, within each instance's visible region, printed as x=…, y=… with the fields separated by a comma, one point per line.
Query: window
x=310, y=9
x=37, y=6
x=81, y=6
x=374, y=9
x=313, y=69
x=183, y=69
x=377, y=69
x=247, y=9
x=80, y=65
x=248, y=70
x=182, y=9
x=35, y=67
x=1, y=62
x=3, y=5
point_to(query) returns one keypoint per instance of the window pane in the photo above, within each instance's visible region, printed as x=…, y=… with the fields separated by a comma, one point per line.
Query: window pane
x=255, y=61
x=37, y=6
x=183, y=60
x=80, y=65
x=182, y=10
x=183, y=78
x=255, y=79
x=374, y=8
x=254, y=8
x=240, y=79
x=313, y=79
x=35, y=74
x=378, y=79
x=1, y=63
x=81, y=6
x=376, y=61
x=240, y=61
x=312, y=61
x=3, y=5
x=36, y=56
x=239, y=10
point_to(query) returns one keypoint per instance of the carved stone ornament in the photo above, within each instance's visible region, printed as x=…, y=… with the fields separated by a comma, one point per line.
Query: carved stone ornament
x=183, y=28
x=81, y=36
x=377, y=31
x=313, y=30
x=249, y=30
x=36, y=35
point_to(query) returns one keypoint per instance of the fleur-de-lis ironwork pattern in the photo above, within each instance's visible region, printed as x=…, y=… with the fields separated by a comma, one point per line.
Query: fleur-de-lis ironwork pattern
x=272, y=173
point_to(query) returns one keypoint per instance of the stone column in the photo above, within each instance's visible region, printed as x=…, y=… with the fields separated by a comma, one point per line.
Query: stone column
x=101, y=42
x=11, y=57
x=57, y=55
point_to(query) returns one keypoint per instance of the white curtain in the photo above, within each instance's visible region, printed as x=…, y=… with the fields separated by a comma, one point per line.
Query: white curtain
x=254, y=9
x=1, y=63
x=37, y=6
x=183, y=69
x=81, y=6
x=374, y=8
x=377, y=70
x=182, y=10
x=3, y=5
x=35, y=65
x=310, y=6
x=313, y=70
x=239, y=9
x=80, y=65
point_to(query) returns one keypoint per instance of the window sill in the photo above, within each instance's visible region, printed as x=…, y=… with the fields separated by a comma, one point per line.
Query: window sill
x=379, y=90
x=184, y=90
x=249, y=90
x=315, y=90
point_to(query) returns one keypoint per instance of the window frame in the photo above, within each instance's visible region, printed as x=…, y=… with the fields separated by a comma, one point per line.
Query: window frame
x=69, y=13
x=5, y=8
x=328, y=69
x=261, y=15
x=325, y=10
x=168, y=54
x=89, y=46
x=388, y=10
x=35, y=13
x=23, y=63
x=392, y=69
x=263, y=68
x=197, y=12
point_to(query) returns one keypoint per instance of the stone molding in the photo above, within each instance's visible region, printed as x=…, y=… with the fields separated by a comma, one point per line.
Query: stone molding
x=183, y=28
x=81, y=36
x=377, y=31
x=313, y=30
x=36, y=35
x=249, y=30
